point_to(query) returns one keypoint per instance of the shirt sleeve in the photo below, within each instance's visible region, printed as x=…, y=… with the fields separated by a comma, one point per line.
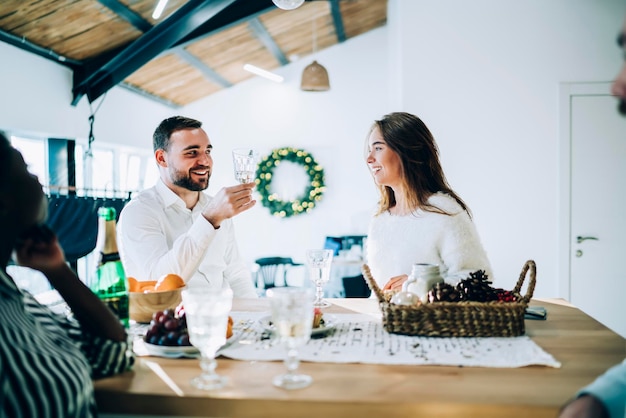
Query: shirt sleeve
x=461, y=249
x=610, y=389
x=144, y=249
x=105, y=357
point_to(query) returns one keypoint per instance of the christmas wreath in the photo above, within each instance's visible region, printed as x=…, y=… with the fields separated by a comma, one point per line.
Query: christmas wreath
x=311, y=194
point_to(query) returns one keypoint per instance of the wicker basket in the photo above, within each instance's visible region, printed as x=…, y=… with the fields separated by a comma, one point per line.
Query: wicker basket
x=457, y=319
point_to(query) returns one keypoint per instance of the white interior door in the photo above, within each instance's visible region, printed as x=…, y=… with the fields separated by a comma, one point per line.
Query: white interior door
x=598, y=209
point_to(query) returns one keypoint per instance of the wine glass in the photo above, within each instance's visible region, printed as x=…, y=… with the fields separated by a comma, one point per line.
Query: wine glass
x=319, y=262
x=292, y=316
x=207, y=312
x=245, y=164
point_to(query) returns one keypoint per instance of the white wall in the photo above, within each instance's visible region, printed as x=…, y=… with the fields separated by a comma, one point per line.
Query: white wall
x=483, y=75
x=36, y=96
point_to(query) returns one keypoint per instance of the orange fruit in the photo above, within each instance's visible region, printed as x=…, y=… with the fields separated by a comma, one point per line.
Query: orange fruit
x=229, y=329
x=133, y=284
x=169, y=282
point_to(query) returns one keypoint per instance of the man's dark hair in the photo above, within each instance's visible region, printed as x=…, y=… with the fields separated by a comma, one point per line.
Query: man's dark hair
x=161, y=137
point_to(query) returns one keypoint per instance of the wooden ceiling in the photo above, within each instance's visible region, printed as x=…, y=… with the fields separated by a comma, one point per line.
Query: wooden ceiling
x=196, y=48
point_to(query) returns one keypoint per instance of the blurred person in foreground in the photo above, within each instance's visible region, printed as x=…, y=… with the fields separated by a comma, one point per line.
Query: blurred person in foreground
x=420, y=219
x=606, y=396
x=174, y=227
x=47, y=361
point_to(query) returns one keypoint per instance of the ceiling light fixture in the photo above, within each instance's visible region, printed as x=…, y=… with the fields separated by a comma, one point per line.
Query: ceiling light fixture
x=288, y=4
x=263, y=73
x=158, y=10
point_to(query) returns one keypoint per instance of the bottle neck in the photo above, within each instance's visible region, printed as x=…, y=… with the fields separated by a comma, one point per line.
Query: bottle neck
x=107, y=237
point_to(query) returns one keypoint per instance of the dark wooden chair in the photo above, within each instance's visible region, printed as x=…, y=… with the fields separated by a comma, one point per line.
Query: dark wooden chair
x=272, y=271
x=356, y=287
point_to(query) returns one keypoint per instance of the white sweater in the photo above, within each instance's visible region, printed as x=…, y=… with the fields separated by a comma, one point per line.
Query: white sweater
x=395, y=243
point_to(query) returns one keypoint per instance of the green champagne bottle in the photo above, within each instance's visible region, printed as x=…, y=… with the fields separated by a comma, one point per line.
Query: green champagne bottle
x=110, y=283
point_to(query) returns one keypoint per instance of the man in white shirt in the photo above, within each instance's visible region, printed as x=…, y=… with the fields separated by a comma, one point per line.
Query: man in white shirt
x=174, y=227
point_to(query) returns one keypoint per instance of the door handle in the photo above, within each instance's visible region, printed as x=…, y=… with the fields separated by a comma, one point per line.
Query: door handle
x=580, y=239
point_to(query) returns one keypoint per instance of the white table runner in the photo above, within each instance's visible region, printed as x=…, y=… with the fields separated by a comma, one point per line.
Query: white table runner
x=362, y=339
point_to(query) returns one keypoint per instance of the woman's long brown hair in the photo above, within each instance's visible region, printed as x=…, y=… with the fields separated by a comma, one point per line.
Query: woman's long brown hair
x=422, y=174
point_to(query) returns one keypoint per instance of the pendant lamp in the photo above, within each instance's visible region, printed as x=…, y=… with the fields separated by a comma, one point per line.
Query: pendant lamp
x=315, y=76
x=288, y=4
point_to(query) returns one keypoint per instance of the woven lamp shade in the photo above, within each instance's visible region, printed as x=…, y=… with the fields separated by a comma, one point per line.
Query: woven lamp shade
x=315, y=78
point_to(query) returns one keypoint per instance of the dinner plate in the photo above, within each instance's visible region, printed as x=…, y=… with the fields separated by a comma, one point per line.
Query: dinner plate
x=175, y=351
x=325, y=328
x=188, y=351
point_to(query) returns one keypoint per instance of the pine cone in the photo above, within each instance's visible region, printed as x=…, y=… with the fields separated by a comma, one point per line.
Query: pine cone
x=476, y=288
x=443, y=292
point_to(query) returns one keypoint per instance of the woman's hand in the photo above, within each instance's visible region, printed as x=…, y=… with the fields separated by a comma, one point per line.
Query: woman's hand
x=395, y=283
x=39, y=249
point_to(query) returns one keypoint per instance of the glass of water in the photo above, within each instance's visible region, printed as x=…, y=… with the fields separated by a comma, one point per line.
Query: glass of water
x=207, y=312
x=245, y=164
x=292, y=318
x=319, y=263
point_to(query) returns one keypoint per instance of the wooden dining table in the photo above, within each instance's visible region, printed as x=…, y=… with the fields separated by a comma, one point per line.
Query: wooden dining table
x=585, y=348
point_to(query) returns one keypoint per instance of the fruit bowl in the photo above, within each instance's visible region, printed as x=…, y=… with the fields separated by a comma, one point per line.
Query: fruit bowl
x=143, y=305
x=147, y=297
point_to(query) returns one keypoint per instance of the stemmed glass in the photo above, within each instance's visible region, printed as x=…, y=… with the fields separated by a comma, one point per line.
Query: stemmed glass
x=207, y=312
x=292, y=315
x=245, y=164
x=319, y=262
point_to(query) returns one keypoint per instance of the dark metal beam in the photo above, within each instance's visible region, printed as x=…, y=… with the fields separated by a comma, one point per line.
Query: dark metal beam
x=203, y=68
x=161, y=37
x=127, y=14
x=26, y=45
x=266, y=39
x=338, y=20
x=199, y=36
x=241, y=12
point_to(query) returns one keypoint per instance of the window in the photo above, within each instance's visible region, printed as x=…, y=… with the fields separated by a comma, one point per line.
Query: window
x=35, y=155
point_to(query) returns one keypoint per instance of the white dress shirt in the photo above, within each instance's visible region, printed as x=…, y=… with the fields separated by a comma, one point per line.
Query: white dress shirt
x=158, y=235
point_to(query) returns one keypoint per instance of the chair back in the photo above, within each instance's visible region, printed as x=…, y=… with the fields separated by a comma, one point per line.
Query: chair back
x=273, y=271
x=356, y=287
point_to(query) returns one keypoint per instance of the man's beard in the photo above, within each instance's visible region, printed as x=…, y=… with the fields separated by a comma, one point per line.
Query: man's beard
x=621, y=107
x=184, y=180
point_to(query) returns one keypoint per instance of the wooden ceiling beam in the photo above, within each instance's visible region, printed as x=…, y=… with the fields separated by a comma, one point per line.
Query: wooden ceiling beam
x=161, y=37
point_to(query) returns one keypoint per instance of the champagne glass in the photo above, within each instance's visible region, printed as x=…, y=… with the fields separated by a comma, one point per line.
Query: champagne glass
x=319, y=262
x=245, y=164
x=292, y=315
x=207, y=312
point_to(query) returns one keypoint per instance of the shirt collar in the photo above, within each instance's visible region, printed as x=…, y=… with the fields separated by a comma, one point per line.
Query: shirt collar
x=172, y=199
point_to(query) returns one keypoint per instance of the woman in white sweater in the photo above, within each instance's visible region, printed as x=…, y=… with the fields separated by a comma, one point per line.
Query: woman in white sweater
x=420, y=219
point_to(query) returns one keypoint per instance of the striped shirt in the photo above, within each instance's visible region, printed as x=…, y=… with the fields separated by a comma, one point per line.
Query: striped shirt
x=47, y=361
